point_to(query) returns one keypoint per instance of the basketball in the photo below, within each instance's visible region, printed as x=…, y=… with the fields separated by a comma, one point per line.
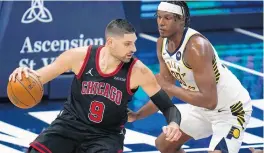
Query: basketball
x=25, y=93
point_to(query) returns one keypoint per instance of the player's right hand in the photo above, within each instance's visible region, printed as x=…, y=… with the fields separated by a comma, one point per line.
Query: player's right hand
x=17, y=73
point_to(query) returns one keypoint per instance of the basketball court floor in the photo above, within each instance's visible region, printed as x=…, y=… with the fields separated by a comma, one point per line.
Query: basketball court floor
x=241, y=50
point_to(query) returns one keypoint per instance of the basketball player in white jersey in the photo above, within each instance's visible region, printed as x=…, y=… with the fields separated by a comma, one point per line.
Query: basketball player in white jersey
x=219, y=105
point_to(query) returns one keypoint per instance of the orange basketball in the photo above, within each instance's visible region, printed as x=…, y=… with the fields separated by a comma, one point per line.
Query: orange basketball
x=25, y=93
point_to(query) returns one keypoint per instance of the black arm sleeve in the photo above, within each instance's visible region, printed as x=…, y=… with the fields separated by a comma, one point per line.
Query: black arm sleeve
x=165, y=105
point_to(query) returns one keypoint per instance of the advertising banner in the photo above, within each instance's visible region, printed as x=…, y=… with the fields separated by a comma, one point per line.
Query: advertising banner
x=37, y=31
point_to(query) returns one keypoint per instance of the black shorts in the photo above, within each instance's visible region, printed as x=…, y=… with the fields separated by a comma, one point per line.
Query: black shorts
x=68, y=135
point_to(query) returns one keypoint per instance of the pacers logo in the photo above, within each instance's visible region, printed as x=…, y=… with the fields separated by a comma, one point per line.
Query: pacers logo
x=37, y=11
x=234, y=132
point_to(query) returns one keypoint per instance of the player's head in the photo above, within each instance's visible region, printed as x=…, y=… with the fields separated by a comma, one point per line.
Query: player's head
x=172, y=17
x=121, y=38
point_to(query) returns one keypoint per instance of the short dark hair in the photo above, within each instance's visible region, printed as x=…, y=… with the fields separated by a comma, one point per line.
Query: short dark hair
x=119, y=27
x=185, y=10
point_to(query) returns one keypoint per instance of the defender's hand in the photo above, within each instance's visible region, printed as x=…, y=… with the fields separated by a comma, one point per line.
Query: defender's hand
x=172, y=132
x=17, y=73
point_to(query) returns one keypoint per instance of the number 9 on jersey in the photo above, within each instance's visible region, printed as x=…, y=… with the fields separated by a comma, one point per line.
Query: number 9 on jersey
x=96, y=111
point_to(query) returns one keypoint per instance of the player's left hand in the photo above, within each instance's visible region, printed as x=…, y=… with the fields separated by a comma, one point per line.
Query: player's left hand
x=172, y=132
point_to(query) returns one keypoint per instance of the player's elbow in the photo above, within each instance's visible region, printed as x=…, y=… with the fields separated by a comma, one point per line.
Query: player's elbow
x=212, y=103
x=209, y=99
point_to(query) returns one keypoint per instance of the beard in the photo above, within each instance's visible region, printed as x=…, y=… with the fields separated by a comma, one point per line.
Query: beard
x=123, y=59
x=126, y=60
x=163, y=36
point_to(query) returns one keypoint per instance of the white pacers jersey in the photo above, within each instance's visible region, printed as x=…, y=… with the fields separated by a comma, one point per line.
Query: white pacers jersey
x=229, y=88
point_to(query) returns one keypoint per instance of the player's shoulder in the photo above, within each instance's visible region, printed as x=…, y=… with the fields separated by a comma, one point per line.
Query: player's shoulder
x=198, y=46
x=141, y=74
x=197, y=41
x=160, y=41
x=140, y=68
x=78, y=51
x=82, y=49
x=159, y=45
x=75, y=55
x=137, y=64
x=196, y=37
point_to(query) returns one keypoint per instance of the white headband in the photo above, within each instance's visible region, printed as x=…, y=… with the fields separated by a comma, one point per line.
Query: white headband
x=172, y=8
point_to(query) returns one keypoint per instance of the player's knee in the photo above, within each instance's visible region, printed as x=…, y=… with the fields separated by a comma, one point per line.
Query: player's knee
x=157, y=144
x=163, y=148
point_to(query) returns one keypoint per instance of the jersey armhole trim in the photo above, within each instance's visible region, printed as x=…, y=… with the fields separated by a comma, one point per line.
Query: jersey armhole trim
x=161, y=48
x=40, y=147
x=84, y=62
x=129, y=76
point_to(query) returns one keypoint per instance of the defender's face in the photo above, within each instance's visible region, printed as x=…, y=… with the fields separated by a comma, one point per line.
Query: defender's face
x=124, y=47
x=167, y=25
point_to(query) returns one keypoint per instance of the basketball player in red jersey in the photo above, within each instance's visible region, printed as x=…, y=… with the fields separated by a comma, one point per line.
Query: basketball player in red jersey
x=106, y=78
